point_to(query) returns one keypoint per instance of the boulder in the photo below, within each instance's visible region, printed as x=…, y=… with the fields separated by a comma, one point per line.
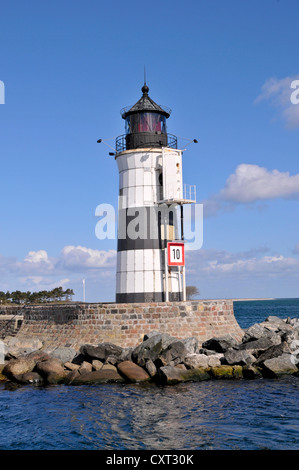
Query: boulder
x=278, y=366
x=64, y=354
x=226, y=372
x=94, y=377
x=172, y=375
x=3, y=378
x=191, y=344
x=254, y=332
x=238, y=372
x=294, y=322
x=17, y=347
x=294, y=348
x=290, y=336
x=126, y=355
x=71, y=366
x=208, y=352
x=96, y=364
x=18, y=367
x=79, y=358
x=194, y=361
x=236, y=357
x=150, y=334
x=101, y=351
x=173, y=354
x=150, y=368
x=113, y=360
x=251, y=372
x=51, y=370
x=29, y=378
x=274, y=320
x=220, y=344
x=215, y=359
x=38, y=356
x=272, y=352
x=109, y=367
x=276, y=324
x=152, y=348
x=71, y=376
x=258, y=331
x=256, y=346
x=132, y=372
x=3, y=351
x=85, y=367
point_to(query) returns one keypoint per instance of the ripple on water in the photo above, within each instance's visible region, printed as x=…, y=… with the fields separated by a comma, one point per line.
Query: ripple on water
x=207, y=415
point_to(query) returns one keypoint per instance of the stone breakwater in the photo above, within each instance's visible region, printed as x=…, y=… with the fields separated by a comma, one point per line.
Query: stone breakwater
x=72, y=325
x=268, y=349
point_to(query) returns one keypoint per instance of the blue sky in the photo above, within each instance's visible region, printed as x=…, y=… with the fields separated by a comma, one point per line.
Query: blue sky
x=223, y=67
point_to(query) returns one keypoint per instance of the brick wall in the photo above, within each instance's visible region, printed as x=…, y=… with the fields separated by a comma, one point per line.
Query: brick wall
x=126, y=324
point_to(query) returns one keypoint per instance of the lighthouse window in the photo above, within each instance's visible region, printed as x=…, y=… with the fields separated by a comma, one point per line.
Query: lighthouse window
x=145, y=122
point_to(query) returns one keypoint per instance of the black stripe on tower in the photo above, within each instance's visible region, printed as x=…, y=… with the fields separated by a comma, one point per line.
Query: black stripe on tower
x=140, y=228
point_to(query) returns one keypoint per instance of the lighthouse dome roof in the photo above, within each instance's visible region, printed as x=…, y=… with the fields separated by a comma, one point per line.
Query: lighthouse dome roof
x=145, y=104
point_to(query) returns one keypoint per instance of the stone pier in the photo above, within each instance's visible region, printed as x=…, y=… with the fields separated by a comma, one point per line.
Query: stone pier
x=125, y=324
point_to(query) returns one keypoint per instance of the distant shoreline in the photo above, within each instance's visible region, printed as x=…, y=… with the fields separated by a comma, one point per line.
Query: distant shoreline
x=244, y=300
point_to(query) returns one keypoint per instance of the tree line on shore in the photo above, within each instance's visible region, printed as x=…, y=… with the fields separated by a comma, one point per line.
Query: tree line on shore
x=55, y=295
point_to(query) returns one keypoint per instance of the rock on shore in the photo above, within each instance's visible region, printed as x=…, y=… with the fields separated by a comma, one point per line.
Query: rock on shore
x=269, y=349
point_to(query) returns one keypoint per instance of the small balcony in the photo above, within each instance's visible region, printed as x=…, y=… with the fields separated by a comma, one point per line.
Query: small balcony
x=174, y=194
x=145, y=140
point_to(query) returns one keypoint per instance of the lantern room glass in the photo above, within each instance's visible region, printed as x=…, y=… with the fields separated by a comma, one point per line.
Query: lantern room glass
x=145, y=122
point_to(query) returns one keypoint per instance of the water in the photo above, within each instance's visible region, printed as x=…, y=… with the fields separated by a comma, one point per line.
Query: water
x=211, y=415
x=254, y=311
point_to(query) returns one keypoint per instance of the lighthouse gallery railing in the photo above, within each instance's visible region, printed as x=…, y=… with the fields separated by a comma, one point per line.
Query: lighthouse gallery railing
x=121, y=142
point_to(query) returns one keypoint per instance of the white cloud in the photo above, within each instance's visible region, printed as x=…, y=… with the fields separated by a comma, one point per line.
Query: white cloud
x=211, y=264
x=38, y=269
x=250, y=184
x=33, y=283
x=71, y=258
x=279, y=92
x=211, y=270
x=80, y=257
x=40, y=256
x=36, y=280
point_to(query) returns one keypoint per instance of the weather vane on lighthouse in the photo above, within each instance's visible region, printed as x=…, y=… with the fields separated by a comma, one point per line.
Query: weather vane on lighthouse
x=150, y=249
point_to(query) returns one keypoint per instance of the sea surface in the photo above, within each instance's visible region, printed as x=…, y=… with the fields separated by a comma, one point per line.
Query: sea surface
x=213, y=415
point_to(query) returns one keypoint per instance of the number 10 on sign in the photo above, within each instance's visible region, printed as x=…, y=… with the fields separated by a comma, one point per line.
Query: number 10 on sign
x=176, y=254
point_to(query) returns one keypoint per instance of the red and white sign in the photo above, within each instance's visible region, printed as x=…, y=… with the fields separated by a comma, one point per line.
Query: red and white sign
x=176, y=254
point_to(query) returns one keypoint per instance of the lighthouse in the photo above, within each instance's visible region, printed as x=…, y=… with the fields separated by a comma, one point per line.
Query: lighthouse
x=150, y=245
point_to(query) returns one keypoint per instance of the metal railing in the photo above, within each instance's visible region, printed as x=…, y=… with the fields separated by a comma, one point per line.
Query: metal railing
x=121, y=143
x=173, y=193
x=17, y=318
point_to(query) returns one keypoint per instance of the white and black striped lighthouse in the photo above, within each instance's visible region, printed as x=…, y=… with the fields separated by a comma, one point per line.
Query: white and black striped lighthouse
x=150, y=192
